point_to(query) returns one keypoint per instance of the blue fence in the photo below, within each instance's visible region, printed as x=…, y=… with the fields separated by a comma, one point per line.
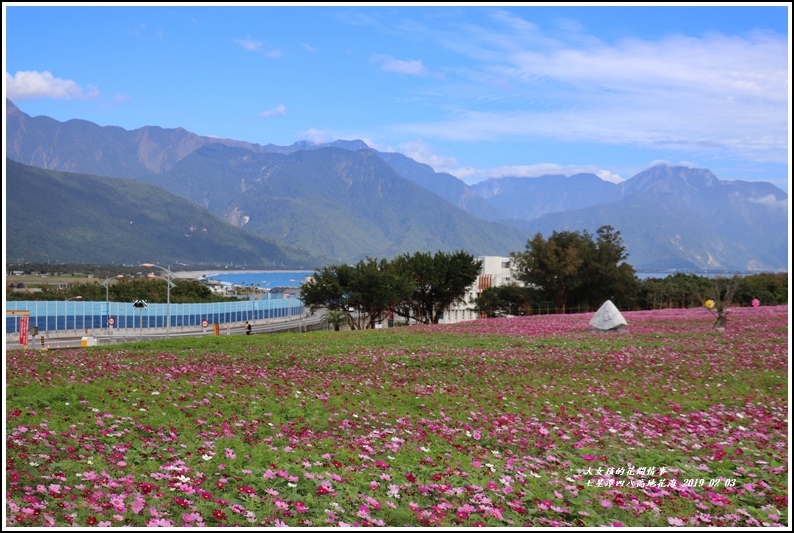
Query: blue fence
x=79, y=315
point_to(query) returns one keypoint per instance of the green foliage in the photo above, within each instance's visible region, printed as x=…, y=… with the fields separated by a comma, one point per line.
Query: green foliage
x=418, y=286
x=770, y=289
x=78, y=217
x=572, y=268
x=690, y=290
x=336, y=318
x=378, y=287
x=504, y=300
x=153, y=290
x=438, y=281
x=678, y=290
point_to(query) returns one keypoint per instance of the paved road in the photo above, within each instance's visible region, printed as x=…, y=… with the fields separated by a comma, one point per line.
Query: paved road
x=296, y=325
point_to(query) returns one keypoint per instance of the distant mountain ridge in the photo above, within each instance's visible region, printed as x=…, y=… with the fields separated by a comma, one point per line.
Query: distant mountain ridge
x=78, y=218
x=344, y=204
x=344, y=200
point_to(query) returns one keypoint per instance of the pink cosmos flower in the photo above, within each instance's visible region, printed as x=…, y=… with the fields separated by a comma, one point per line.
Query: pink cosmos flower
x=159, y=522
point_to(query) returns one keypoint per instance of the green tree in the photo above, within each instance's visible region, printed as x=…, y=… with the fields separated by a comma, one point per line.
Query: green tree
x=678, y=290
x=370, y=288
x=336, y=318
x=574, y=268
x=377, y=287
x=769, y=288
x=330, y=287
x=438, y=280
x=504, y=300
x=552, y=266
x=608, y=274
x=153, y=290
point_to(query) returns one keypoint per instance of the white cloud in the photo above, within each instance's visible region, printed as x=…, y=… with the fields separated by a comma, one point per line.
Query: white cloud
x=31, y=84
x=423, y=153
x=687, y=164
x=280, y=109
x=412, y=67
x=770, y=201
x=249, y=44
x=472, y=175
x=118, y=100
x=611, y=177
x=712, y=94
x=258, y=47
x=317, y=136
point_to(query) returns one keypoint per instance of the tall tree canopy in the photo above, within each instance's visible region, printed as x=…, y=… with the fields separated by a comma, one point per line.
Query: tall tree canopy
x=438, y=281
x=418, y=286
x=573, y=267
x=330, y=287
x=378, y=288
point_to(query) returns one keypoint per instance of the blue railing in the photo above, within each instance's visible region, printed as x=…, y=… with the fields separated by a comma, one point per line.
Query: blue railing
x=79, y=315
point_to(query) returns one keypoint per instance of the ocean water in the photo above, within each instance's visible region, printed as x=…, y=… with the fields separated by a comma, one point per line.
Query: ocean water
x=269, y=279
x=265, y=279
x=642, y=276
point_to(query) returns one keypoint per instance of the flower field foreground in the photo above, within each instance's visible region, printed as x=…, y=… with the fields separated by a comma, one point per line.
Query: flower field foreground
x=531, y=421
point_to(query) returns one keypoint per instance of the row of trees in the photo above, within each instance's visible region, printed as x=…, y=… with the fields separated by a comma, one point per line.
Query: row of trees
x=580, y=270
x=417, y=287
x=153, y=290
x=569, y=270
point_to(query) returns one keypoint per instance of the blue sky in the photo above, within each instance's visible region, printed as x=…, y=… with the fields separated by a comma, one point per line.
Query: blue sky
x=478, y=91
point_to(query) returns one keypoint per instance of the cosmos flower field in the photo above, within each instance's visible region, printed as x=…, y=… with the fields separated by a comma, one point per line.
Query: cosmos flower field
x=513, y=422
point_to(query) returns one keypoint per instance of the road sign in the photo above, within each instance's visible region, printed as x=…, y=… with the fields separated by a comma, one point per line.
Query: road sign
x=111, y=321
x=205, y=324
x=23, y=330
x=139, y=304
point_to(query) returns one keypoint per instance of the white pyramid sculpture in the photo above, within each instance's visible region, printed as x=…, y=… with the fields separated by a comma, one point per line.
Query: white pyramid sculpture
x=608, y=317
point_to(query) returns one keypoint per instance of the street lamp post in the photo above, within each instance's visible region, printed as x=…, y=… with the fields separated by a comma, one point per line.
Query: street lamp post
x=301, y=302
x=75, y=312
x=106, y=283
x=168, y=281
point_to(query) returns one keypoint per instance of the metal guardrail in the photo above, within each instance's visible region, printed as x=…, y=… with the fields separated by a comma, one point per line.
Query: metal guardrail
x=75, y=338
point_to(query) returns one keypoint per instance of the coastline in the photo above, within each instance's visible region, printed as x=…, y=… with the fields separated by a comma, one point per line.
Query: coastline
x=192, y=274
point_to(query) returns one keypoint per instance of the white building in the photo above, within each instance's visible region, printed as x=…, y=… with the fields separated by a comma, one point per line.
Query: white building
x=495, y=272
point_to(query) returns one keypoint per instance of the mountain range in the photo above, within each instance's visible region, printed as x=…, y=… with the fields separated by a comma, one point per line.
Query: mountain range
x=204, y=200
